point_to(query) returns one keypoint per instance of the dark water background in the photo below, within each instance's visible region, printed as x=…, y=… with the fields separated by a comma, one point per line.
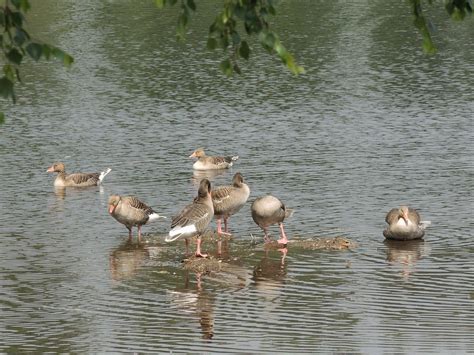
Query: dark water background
x=374, y=123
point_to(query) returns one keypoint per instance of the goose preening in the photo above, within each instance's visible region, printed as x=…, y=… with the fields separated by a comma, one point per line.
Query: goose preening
x=404, y=223
x=228, y=200
x=76, y=179
x=205, y=162
x=130, y=211
x=194, y=218
x=268, y=210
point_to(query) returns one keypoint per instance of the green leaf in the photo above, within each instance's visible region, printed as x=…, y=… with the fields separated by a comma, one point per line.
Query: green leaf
x=17, y=19
x=226, y=67
x=235, y=38
x=268, y=39
x=46, y=50
x=2, y=118
x=35, y=50
x=9, y=72
x=20, y=36
x=14, y=56
x=6, y=88
x=181, y=28
x=211, y=43
x=160, y=3
x=244, y=50
x=62, y=56
x=271, y=10
x=192, y=5
x=23, y=5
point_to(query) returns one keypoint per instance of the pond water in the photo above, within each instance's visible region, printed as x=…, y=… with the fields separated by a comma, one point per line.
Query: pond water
x=373, y=124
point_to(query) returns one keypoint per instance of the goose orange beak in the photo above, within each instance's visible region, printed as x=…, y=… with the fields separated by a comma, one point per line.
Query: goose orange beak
x=193, y=155
x=50, y=170
x=111, y=209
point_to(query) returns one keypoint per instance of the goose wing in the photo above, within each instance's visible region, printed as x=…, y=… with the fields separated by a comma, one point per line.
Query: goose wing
x=194, y=214
x=392, y=216
x=83, y=178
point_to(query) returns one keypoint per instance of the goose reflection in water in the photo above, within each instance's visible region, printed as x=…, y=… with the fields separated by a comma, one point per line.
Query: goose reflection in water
x=269, y=274
x=406, y=254
x=128, y=258
x=198, y=175
x=198, y=302
x=60, y=192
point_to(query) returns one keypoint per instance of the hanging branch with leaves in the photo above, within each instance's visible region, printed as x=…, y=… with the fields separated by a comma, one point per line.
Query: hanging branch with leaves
x=16, y=44
x=224, y=32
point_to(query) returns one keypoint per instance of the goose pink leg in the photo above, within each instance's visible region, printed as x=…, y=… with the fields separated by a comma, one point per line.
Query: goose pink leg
x=198, y=249
x=283, y=239
x=219, y=227
x=266, y=238
x=139, y=234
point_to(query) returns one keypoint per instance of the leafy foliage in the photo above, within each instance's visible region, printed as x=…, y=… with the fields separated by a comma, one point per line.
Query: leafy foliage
x=16, y=44
x=225, y=33
x=456, y=8
x=253, y=15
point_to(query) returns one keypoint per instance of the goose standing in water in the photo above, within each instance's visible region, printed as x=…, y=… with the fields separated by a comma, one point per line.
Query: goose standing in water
x=268, y=210
x=404, y=223
x=194, y=218
x=211, y=163
x=76, y=179
x=228, y=200
x=130, y=211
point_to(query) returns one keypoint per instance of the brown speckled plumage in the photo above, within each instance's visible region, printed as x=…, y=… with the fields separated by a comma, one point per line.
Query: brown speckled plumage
x=130, y=211
x=228, y=200
x=205, y=162
x=194, y=218
x=76, y=179
x=404, y=223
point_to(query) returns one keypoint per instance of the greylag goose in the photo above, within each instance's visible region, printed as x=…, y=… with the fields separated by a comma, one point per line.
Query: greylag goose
x=268, y=210
x=228, y=200
x=76, y=179
x=130, y=211
x=194, y=218
x=404, y=223
x=211, y=163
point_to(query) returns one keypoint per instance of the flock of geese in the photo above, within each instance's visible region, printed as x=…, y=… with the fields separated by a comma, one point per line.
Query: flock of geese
x=222, y=202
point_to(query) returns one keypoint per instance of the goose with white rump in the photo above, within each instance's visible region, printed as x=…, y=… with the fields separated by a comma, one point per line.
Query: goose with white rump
x=228, y=200
x=76, y=179
x=268, y=210
x=130, y=211
x=205, y=162
x=404, y=223
x=194, y=218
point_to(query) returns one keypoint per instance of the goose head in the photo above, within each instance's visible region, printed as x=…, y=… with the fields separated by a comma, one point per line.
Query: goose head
x=237, y=180
x=56, y=168
x=113, y=203
x=198, y=153
x=204, y=188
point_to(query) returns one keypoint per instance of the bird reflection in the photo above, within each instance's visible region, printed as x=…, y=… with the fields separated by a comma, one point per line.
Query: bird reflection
x=406, y=253
x=60, y=193
x=197, y=301
x=269, y=274
x=128, y=258
x=198, y=175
